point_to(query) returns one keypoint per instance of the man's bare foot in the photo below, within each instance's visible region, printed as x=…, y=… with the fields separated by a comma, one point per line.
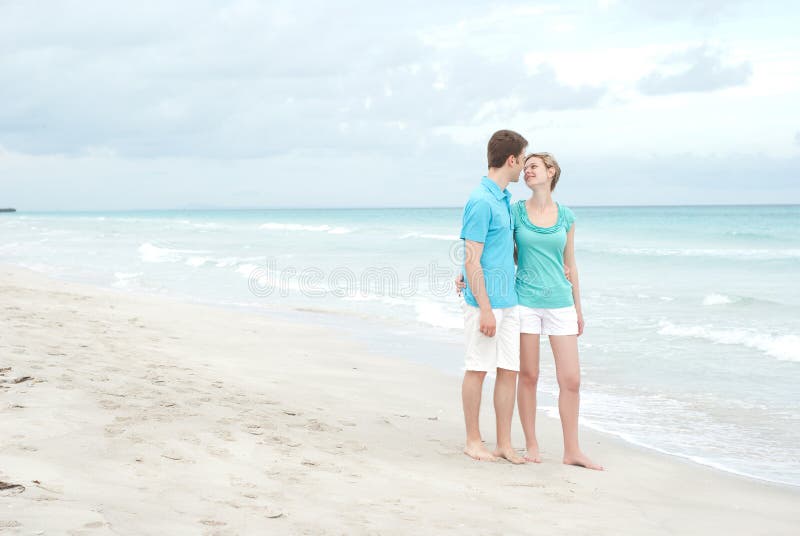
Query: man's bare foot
x=509, y=454
x=532, y=453
x=477, y=451
x=581, y=460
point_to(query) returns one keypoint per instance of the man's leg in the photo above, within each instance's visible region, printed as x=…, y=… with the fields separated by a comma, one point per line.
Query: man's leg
x=505, y=389
x=471, y=390
x=505, y=386
x=480, y=358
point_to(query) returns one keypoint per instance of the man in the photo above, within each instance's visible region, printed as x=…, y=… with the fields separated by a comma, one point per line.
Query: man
x=491, y=320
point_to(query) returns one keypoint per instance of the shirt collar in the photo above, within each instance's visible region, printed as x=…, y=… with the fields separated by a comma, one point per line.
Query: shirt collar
x=492, y=186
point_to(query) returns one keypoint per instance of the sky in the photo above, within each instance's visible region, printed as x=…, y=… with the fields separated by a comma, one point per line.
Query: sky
x=199, y=104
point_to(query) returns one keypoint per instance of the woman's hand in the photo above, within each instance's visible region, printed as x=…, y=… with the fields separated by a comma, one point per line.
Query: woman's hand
x=580, y=323
x=460, y=284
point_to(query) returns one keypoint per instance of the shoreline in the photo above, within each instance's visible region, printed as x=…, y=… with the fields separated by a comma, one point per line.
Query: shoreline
x=150, y=415
x=366, y=340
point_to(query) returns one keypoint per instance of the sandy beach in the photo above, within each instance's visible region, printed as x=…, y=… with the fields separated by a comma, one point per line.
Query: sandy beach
x=126, y=414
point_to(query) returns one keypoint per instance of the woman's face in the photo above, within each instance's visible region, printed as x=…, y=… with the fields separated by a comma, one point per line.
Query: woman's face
x=536, y=172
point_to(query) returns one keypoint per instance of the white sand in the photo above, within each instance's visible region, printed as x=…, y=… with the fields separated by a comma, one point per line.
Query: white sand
x=146, y=416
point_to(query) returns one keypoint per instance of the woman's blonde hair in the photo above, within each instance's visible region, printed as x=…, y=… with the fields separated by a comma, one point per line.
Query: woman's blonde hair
x=550, y=162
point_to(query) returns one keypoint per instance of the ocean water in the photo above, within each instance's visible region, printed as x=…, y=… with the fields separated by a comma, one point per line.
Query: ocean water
x=692, y=342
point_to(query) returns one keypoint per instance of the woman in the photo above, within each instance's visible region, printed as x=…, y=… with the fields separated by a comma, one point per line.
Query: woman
x=549, y=303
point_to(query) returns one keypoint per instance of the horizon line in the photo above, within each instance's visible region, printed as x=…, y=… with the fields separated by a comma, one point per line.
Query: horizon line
x=201, y=208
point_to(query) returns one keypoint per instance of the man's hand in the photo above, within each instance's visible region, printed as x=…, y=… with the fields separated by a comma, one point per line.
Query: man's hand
x=460, y=284
x=488, y=323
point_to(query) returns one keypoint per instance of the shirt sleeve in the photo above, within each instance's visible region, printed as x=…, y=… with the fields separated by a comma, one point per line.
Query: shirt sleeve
x=569, y=218
x=475, y=224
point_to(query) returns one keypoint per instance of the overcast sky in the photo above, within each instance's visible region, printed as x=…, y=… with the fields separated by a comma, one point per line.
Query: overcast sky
x=117, y=105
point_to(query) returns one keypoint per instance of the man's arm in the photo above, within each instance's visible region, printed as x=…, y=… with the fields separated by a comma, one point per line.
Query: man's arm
x=477, y=286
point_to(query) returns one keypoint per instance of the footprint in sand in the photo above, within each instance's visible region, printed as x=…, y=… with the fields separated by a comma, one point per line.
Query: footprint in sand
x=219, y=452
x=240, y=482
x=109, y=404
x=272, y=513
x=317, y=426
x=254, y=429
x=113, y=431
x=355, y=446
x=175, y=456
x=212, y=523
x=224, y=435
x=280, y=440
x=188, y=437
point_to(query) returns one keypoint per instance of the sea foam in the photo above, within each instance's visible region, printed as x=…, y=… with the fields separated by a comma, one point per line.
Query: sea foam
x=739, y=254
x=271, y=226
x=783, y=347
x=435, y=314
x=429, y=236
x=150, y=253
x=717, y=299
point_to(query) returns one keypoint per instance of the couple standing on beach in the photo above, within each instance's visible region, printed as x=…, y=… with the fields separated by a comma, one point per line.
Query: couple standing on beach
x=509, y=307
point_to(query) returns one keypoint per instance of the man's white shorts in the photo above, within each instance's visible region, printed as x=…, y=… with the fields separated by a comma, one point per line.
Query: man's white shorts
x=560, y=321
x=488, y=353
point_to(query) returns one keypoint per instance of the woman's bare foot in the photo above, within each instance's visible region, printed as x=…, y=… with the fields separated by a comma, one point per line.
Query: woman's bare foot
x=532, y=453
x=477, y=451
x=581, y=460
x=509, y=454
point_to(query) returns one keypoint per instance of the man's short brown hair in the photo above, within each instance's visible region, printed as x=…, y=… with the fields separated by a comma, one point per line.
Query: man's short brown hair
x=502, y=144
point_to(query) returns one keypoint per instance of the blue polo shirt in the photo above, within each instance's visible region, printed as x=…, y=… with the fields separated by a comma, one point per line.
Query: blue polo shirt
x=487, y=219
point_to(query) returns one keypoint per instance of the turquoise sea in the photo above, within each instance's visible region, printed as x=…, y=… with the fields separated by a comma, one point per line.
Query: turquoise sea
x=692, y=342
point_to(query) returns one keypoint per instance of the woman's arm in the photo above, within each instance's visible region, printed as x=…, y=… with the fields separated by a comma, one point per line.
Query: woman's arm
x=572, y=266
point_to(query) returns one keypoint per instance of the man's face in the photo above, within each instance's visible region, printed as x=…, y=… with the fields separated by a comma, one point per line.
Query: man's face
x=517, y=164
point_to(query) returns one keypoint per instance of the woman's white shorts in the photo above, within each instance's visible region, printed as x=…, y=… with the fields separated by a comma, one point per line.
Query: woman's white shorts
x=489, y=353
x=560, y=321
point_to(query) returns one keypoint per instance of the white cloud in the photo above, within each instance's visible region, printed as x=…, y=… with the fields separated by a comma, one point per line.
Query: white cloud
x=203, y=102
x=682, y=9
x=697, y=69
x=251, y=80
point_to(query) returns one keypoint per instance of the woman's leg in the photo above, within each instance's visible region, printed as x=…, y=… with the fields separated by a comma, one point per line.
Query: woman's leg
x=526, y=392
x=568, y=372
